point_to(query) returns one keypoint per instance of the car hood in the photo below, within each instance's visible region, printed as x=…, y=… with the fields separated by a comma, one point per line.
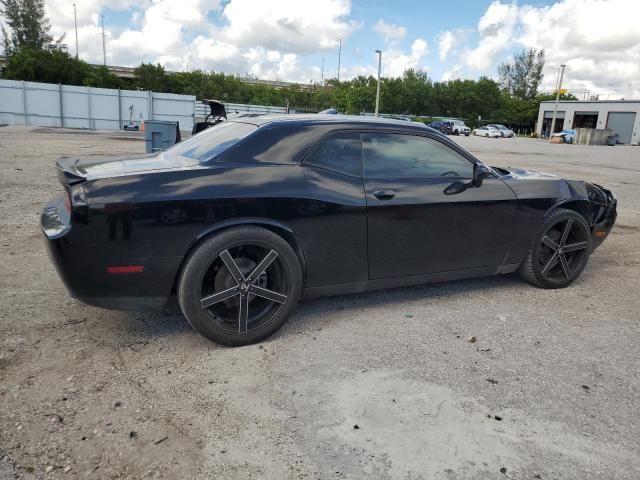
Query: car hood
x=521, y=173
x=75, y=169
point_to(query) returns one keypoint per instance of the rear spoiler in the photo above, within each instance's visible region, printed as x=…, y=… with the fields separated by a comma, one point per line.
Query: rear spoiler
x=67, y=172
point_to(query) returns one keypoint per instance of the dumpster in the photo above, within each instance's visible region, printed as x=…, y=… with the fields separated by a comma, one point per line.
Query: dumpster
x=160, y=135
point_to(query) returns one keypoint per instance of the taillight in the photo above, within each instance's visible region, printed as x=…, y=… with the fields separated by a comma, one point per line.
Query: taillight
x=67, y=202
x=78, y=196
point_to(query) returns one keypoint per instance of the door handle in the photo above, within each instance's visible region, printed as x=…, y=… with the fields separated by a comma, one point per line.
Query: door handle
x=384, y=194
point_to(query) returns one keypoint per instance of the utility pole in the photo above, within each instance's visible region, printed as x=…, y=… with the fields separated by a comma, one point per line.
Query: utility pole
x=322, y=73
x=339, y=55
x=104, y=48
x=555, y=109
x=379, y=52
x=75, y=23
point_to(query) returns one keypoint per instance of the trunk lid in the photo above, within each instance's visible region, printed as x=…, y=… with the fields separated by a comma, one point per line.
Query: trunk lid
x=75, y=170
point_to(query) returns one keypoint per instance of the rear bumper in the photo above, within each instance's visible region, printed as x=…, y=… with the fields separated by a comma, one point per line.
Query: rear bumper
x=86, y=267
x=600, y=230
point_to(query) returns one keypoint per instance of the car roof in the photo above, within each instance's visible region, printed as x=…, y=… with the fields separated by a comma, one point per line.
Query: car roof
x=323, y=119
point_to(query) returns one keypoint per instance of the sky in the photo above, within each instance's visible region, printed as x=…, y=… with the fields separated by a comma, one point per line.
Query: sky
x=598, y=40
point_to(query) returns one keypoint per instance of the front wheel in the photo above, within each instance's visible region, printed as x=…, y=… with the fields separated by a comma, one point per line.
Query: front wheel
x=559, y=251
x=240, y=286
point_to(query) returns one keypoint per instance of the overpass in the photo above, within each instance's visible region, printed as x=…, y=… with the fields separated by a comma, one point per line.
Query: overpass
x=129, y=72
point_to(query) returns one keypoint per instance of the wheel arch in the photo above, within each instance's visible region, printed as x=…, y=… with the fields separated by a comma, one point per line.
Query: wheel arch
x=276, y=227
x=579, y=205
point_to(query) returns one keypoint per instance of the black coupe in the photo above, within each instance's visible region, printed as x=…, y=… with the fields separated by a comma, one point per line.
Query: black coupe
x=245, y=218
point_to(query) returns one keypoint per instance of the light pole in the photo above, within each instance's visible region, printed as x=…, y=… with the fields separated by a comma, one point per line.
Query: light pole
x=322, y=73
x=75, y=23
x=339, y=55
x=379, y=52
x=104, y=48
x=555, y=109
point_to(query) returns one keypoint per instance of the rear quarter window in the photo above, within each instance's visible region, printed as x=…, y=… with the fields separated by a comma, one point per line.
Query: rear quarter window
x=213, y=141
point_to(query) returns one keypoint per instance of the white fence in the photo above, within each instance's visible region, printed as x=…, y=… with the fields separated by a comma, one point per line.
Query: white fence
x=50, y=105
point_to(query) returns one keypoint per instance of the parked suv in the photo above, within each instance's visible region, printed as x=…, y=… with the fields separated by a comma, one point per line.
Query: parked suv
x=458, y=127
x=445, y=127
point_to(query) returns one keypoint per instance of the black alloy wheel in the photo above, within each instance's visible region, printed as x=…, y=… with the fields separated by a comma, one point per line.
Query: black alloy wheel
x=244, y=288
x=563, y=250
x=240, y=287
x=559, y=252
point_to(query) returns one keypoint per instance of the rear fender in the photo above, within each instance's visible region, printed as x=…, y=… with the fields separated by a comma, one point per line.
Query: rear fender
x=277, y=227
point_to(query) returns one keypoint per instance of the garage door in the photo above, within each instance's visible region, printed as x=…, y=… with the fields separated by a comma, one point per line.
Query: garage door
x=622, y=124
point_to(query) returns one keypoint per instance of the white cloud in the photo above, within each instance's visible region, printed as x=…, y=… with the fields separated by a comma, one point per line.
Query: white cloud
x=262, y=38
x=454, y=72
x=395, y=62
x=598, y=40
x=288, y=25
x=445, y=44
x=390, y=32
x=495, y=29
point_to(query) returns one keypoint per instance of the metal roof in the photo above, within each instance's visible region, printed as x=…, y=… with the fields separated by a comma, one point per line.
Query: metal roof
x=329, y=119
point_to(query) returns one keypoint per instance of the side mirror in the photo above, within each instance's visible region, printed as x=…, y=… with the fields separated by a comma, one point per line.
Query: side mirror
x=480, y=173
x=455, y=188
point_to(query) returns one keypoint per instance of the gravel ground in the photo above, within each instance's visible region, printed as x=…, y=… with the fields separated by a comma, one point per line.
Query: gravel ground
x=380, y=385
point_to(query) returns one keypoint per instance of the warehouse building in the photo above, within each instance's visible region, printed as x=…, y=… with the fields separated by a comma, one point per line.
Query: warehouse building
x=621, y=116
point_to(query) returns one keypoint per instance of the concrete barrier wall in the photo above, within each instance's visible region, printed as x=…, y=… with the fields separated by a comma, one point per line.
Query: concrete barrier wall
x=592, y=136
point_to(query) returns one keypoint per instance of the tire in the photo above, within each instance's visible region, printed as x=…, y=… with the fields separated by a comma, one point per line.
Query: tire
x=556, y=257
x=219, y=304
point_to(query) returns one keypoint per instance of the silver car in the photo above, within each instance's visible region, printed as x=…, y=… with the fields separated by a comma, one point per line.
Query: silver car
x=504, y=131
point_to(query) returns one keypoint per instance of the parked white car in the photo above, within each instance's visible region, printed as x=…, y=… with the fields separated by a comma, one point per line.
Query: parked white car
x=487, y=131
x=458, y=127
x=505, y=131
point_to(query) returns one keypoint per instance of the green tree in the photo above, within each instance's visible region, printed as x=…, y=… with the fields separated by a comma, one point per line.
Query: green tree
x=28, y=26
x=151, y=77
x=101, y=77
x=522, y=77
x=48, y=66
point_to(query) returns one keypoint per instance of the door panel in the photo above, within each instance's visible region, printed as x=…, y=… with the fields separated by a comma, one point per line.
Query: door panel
x=422, y=230
x=414, y=228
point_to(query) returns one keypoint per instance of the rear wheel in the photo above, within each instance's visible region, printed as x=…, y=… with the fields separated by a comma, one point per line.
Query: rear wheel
x=559, y=251
x=240, y=286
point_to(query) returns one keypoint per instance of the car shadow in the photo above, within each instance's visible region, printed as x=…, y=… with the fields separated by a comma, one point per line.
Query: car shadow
x=312, y=313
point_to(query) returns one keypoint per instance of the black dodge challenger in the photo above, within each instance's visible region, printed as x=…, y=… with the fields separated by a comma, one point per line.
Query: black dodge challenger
x=245, y=218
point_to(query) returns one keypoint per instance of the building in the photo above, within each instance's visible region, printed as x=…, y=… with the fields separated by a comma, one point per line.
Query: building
x=621, y=116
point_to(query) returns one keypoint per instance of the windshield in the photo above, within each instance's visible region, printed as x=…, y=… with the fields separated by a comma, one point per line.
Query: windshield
x=213, y=141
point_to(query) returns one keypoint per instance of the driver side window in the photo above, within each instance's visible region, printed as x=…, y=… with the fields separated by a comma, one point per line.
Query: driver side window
x=389, y=155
